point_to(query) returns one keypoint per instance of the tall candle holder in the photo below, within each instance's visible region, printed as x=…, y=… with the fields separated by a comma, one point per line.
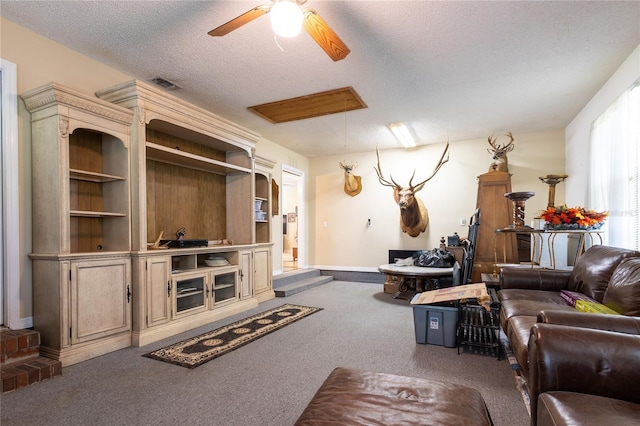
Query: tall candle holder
x=552, y=181
x=518, y=199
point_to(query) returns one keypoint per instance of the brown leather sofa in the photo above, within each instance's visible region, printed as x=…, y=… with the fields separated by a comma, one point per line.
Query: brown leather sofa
x=355, y=397
x=609, y=275
x=584, y=376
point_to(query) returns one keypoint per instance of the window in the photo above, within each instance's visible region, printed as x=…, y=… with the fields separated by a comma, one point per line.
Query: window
x=614, y=168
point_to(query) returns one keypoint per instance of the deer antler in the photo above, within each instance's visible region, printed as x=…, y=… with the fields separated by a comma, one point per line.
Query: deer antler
x=507, y=148
x=349, y=166
x=382, y=180
x=441, y=163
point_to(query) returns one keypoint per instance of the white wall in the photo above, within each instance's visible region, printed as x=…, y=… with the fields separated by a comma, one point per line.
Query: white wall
x=346, y=243
x=578, y=131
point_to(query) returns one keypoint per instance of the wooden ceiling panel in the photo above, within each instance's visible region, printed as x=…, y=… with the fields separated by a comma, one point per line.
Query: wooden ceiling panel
x=314, y=105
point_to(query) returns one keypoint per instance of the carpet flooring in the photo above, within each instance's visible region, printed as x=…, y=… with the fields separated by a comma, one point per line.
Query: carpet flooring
x=197, y=350
x=268, y=382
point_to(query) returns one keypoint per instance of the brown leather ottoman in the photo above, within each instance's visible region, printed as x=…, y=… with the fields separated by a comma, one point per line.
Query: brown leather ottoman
x=354, y=397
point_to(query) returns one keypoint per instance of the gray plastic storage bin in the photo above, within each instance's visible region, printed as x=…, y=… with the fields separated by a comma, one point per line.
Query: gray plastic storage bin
x=436, y=324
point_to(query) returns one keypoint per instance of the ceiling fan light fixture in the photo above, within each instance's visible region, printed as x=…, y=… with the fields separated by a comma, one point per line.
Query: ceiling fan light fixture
x=286, y=18
x=402, y=134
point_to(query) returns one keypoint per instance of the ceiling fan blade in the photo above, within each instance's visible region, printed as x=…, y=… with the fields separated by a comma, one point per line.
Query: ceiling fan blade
x=239, y=21
x=326, y=38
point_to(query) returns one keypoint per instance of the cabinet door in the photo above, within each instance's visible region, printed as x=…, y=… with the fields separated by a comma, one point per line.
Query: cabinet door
x=100, y=299
x=262, y=266
x=190, y=291
x=246, y=275
x=224, y=285
x=158, y=290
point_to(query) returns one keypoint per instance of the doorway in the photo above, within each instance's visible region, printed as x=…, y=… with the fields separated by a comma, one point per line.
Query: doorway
x=292, y=218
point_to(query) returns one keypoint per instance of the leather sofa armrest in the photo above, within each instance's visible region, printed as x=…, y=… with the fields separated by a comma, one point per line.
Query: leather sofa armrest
x=619, y=323
x=534, y=279
x=573, y=359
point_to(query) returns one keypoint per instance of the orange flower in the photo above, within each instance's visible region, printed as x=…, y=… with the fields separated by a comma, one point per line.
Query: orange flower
x=574, y=217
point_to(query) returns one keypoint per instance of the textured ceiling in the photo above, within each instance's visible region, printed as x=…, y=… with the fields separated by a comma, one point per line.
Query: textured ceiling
x=448, y=69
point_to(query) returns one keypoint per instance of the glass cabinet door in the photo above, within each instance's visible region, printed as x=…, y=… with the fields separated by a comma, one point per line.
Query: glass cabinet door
x=224, y=286
x=190, y=293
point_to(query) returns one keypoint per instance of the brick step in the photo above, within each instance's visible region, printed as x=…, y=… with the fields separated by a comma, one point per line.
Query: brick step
x=28, y=372
x=18, y=345
x=20, y=360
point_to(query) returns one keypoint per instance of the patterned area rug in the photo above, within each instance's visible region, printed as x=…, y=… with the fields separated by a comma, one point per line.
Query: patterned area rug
x=197, y=350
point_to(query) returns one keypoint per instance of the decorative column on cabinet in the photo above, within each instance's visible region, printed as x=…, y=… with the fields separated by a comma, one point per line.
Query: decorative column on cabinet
x=81, y=223
x=497, y=213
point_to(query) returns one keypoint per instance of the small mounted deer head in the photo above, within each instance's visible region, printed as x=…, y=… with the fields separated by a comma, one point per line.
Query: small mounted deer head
x=499, y=152
x=352, y=183
x=414, y=216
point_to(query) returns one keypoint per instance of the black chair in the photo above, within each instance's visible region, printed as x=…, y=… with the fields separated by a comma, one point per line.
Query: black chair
x=454, y=280
x=470, y=247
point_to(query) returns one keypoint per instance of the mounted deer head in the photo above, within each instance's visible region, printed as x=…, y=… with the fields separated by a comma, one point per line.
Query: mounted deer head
x=499, y=152
x=414, y=216
x=352, y=183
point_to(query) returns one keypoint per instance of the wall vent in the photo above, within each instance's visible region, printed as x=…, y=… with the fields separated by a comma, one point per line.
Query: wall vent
x=165, y=84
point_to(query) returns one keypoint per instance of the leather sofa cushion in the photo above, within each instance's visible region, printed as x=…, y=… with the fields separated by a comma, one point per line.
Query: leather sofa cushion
x=623, y=292
x=518, y=334
x=511, y=308
x=593, y=270
x=352, y=397
x=533, y=279
x=532, y=295
x=558, y=408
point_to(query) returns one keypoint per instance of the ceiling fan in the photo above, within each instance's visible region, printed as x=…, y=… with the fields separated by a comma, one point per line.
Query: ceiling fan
x=313, y=24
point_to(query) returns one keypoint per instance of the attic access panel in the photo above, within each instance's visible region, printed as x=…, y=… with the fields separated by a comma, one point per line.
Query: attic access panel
x=308, y=106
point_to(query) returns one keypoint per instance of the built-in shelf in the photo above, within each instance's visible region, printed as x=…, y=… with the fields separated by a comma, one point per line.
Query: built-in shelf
x=176, y=157
x=93, y=176
x=188, y=293
x=80, y=213
x=222, y=286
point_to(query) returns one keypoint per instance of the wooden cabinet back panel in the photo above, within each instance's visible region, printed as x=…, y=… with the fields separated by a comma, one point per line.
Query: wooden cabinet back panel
x=85, y=153
x=85, y=150
x=179, y=197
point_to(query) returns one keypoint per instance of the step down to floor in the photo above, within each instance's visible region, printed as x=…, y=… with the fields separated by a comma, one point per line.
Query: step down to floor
x=296, y=281
x=20, y=361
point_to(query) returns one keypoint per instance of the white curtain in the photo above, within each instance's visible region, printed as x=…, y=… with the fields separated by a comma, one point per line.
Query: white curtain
x=614, y=165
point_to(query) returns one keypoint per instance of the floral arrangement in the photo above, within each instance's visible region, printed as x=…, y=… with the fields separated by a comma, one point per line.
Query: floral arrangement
x=563, y=217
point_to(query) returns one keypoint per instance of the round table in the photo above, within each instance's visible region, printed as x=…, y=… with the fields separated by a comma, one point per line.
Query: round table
x=419, y=273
